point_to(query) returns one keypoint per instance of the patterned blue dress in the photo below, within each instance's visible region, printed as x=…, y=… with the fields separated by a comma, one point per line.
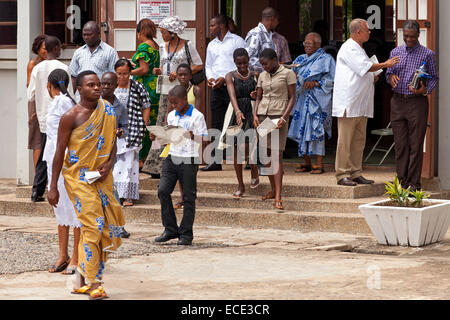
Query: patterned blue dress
x=311, y=117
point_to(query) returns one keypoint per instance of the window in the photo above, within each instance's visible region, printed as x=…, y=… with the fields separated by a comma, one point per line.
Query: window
x=8, y=23
x=65, y=19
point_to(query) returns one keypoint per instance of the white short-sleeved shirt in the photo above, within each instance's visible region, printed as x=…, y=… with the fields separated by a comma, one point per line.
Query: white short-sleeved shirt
x=353, y=91
x=193, y=120
x=37, y=89
x=219, y=55
x=56, y=109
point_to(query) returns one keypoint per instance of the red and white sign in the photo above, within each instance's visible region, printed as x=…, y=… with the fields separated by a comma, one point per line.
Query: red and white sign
x=154, y=10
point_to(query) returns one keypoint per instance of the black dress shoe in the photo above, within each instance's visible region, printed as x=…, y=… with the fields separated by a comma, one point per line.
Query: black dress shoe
x=347, y=182
x=212, y=167
x=124, y=233
x=166, y=237
x=36, y=198
x=362, y=180
x=184, y=242
x=155, y=176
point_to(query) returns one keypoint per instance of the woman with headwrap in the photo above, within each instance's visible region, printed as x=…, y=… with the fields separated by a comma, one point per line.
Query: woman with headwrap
x=173, y=52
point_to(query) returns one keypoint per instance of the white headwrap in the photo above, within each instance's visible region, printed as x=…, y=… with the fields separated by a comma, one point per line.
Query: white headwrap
x=173, y=24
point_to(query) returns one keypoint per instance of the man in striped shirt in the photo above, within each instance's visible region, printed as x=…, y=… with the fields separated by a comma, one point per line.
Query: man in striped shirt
x=409, y=106
x=95, y=55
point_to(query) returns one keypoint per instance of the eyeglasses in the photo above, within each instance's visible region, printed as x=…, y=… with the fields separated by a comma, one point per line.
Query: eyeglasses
x=308, y=43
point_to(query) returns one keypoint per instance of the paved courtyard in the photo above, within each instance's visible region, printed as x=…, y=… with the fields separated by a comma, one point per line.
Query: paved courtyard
x=228, y=263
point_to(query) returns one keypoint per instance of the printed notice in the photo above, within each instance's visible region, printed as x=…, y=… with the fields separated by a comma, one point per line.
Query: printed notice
x=155, y=10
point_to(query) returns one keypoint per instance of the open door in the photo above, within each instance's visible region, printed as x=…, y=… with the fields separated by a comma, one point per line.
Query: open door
x=423, y=11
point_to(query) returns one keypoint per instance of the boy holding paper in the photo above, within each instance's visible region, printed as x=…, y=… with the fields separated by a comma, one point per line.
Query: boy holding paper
x=181, y=165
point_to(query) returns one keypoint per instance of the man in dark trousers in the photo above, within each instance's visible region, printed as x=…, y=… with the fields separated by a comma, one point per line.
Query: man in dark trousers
x=409, y=106
x=219, y=61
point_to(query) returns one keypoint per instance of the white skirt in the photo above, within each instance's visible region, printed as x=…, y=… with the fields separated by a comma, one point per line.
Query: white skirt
x=64, y=212
x=126, y=171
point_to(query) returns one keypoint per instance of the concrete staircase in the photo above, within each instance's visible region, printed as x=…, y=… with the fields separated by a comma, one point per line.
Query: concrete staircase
x=312, y=202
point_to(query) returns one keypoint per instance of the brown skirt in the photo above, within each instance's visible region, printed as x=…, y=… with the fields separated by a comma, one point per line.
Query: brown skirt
x=282, y=133
x=34, y=134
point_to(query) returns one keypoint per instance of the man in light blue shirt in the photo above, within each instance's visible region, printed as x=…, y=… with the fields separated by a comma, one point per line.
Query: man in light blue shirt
x=95, y=55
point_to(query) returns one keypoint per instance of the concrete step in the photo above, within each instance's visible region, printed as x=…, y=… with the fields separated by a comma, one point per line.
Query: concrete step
x=217, y=200
x=216, y=185
x=209, y=216
x=289, y=190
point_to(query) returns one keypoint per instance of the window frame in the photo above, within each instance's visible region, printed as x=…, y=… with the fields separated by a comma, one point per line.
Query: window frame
x=9, y=23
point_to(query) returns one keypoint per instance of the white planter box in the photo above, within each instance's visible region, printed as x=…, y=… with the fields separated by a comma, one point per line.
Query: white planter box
x=407, y=226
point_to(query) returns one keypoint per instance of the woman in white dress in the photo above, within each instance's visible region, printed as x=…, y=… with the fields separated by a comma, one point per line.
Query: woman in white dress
x=136, y=102
x=173, y=52
x=58, y=81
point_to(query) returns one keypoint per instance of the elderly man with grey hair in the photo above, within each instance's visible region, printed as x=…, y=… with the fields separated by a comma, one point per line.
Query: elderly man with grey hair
x=409, y=106
x=353, y=102
x=311, y=118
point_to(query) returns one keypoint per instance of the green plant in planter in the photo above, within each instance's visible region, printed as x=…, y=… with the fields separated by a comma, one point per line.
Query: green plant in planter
x=404, y=197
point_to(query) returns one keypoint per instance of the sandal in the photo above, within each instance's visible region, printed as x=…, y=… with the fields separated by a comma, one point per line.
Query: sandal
x=61, y=267
x=303, y=168
x=238, y=194
x=83, y=290
x=178, y=205
x=278, y=204
x=127, y=203
x=70, y=270
x=317, y=170
x=97, y=294
x=254, y=183
x=269, y=195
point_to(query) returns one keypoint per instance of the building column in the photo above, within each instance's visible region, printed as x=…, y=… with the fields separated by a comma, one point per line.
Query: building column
x=28, y=27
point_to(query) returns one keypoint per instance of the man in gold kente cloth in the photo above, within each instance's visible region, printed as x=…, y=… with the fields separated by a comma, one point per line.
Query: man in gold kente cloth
x=88, y=131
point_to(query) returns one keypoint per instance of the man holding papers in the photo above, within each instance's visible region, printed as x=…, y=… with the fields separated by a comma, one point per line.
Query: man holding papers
x=181, y=165
x=353, y=102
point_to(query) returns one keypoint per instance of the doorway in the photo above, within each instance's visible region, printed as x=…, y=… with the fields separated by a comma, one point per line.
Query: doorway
x=329, y=18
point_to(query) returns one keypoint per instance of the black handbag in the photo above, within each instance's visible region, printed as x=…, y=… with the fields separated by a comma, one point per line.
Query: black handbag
x=198, y=77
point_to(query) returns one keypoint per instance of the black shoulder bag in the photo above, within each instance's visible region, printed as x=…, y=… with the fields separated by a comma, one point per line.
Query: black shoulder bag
x=198, y=77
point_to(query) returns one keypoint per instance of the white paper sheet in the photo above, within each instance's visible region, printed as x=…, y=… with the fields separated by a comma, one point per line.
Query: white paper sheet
x=267, y=126
x=374, y=59
x=91, y=176
x=169, y=134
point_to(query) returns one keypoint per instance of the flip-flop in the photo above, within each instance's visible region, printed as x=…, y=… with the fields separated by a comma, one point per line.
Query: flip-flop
x=178, y=205
x=98, y=294
x=61, y=267
x=83, y=290
x=238, y=194
x=254, y=183
x=70, y=270
x=269, y=195
x=278, y=204
x=127, y=203
x=317, y=170
x=303, y=168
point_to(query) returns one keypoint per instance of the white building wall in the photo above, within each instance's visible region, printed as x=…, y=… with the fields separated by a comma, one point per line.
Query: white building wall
x=8, y=114
x=444, y=93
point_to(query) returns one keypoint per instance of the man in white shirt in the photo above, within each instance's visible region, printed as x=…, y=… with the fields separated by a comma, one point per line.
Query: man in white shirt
x=219, y=61
x=95, y=55
x=181, y=165
x=37, y=91
x=353, y=102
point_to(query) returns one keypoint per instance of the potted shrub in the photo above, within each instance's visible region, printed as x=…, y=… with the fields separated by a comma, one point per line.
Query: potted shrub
x=407, y=218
